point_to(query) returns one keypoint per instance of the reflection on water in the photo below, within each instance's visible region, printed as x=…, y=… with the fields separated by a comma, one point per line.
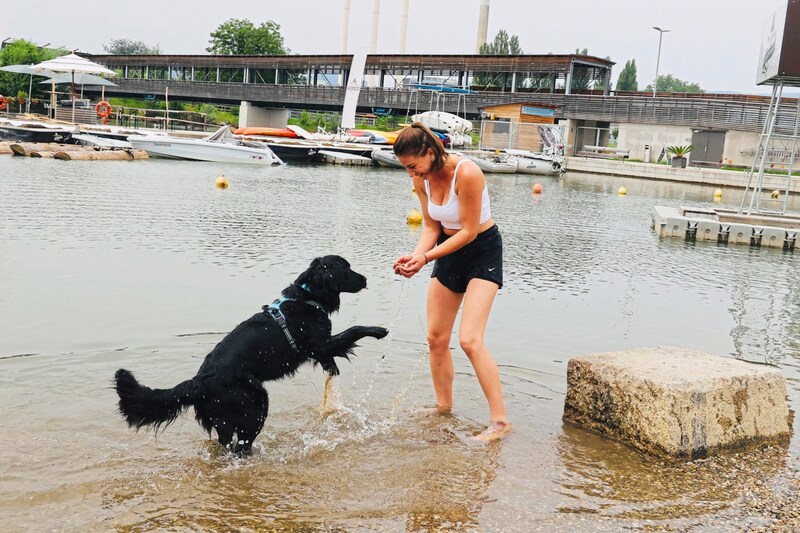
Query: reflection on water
x=146, y=265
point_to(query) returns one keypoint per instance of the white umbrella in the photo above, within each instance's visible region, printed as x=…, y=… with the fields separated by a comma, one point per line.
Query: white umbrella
x=74, y=64
x=28, y=69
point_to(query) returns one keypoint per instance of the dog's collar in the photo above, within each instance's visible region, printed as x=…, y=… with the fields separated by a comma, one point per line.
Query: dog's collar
x=274, y=310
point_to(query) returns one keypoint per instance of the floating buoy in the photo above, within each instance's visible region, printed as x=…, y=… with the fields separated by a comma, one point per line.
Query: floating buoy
x=775, y=194
x=222, y=182
x=414, y=217
x=717, y=195
x=622, y=191
x=537, y=188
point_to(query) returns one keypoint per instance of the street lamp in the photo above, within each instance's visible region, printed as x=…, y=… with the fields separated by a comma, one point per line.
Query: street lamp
x=658, y=58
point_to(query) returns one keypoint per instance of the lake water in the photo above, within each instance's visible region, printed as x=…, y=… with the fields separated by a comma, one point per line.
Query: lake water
x=146, y=265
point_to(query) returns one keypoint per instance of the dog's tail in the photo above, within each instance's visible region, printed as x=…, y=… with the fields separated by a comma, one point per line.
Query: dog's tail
x=143, y=406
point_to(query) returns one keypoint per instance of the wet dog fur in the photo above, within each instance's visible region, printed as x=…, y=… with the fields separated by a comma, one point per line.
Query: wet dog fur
x=227, y=393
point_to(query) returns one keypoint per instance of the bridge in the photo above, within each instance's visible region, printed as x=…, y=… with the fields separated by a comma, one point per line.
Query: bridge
x=577, y=85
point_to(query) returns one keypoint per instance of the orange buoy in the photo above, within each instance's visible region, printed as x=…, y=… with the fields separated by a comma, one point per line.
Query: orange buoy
x=537, y=188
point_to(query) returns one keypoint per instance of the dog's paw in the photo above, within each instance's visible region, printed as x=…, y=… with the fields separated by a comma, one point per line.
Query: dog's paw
x=378, y=332
x=330, y=368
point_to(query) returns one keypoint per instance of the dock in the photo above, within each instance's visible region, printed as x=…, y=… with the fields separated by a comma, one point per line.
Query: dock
x=726, y=227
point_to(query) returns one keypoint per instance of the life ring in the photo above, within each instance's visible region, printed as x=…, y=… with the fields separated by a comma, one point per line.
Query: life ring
x=103, y=109
x=2, y=102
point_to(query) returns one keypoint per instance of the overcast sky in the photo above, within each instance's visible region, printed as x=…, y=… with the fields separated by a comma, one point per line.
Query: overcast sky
x=712, y=42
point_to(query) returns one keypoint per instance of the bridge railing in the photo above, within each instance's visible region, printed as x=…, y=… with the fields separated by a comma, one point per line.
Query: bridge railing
x=745, y=114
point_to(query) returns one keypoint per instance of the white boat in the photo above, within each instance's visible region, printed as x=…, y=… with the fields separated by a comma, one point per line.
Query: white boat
x=495, y=163
x=533, y=163
x=220, y=147
x=443, y=121
x=386, y=158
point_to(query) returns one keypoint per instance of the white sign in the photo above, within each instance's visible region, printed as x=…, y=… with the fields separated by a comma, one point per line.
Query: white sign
x=771, y=42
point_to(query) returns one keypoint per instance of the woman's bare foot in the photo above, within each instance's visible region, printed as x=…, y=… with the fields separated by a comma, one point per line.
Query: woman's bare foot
x=495, y=431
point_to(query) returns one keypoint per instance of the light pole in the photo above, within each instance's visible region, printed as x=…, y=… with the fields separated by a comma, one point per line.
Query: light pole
x=658, y=58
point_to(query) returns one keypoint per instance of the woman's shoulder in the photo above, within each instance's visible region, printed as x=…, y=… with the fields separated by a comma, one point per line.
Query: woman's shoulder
x=469, y=170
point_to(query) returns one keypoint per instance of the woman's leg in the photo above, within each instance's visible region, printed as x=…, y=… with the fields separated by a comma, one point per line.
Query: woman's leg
x=477, y=305
x=442, y=309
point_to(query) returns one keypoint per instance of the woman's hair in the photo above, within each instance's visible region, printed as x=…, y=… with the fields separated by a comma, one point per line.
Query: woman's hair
x=416, y=139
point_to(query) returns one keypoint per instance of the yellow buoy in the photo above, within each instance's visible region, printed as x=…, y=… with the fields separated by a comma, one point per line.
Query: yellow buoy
x=222, y=182
x=622, y=191
x=537, y=188
x=414, y=217
x=717, y=192
x=775, y=193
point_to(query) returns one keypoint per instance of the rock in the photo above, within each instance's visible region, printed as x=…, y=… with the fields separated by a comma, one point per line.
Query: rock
x=678, y=402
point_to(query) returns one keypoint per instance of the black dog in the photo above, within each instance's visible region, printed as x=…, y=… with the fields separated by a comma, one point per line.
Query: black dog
x=227, y=392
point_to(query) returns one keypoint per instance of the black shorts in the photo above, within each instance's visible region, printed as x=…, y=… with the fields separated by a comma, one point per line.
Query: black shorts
x=482, y=259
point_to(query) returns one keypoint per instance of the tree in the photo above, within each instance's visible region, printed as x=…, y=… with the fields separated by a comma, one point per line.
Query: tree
x=22, y=52
x=627, y=78
x=242, y=37
x=503, y=45
x=668, y=84
x=129, y=47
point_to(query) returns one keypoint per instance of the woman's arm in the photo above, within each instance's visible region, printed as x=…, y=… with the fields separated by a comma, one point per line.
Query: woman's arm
x=427, y=238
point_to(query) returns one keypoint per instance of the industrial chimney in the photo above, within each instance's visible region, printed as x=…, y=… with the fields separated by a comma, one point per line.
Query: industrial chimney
x=483, y=25
x=376, y=15
x=404, y=27
x=345, y=26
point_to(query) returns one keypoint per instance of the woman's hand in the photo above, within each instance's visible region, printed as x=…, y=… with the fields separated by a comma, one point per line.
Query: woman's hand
x=400, y=261
x=411, y=266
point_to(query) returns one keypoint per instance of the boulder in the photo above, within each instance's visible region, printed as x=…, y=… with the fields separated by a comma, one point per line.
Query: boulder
x=678, y=402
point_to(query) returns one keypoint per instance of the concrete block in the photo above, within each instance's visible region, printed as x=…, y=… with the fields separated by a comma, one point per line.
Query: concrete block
x=740, y=233
x=675, y=227
x=678, y=402
x=772, y=237
x=707, y=230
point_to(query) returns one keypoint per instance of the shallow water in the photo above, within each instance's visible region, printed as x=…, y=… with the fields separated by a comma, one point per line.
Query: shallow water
x=145, y=265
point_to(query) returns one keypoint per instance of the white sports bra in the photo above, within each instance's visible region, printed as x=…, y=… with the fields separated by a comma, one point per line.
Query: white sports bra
x=448, y=213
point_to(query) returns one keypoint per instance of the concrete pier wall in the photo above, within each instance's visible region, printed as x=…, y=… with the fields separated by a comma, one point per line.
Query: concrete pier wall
x=701, y=176
x=251, y=116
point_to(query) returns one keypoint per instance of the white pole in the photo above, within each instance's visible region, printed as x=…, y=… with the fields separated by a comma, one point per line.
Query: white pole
x=404, y=27
x=345, y=26
x=73, y=97
x=166, y=108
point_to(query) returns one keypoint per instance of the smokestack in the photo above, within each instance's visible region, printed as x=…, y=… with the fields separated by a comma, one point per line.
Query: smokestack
x=483, y=25
x=404, y=27
x=345, y=26
x=376, y=14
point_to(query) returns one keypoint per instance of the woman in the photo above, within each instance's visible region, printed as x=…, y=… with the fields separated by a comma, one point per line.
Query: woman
x=460, y=235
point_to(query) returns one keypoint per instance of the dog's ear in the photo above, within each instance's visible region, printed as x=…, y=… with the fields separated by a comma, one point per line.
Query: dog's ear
x=314, y=274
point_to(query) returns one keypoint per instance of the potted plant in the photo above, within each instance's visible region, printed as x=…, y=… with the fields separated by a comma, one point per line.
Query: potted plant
x=679, y=154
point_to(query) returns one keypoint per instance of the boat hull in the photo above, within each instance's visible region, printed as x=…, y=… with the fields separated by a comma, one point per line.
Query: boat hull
x=541, y=167
x=386, y=158
x=495, y=167
x=199, y=150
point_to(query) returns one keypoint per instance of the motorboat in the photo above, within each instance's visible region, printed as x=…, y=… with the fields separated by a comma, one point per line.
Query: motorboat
x=220, y=147
x=536, y=163
x=39, y=132
x=386, y=158
x=494, y=163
